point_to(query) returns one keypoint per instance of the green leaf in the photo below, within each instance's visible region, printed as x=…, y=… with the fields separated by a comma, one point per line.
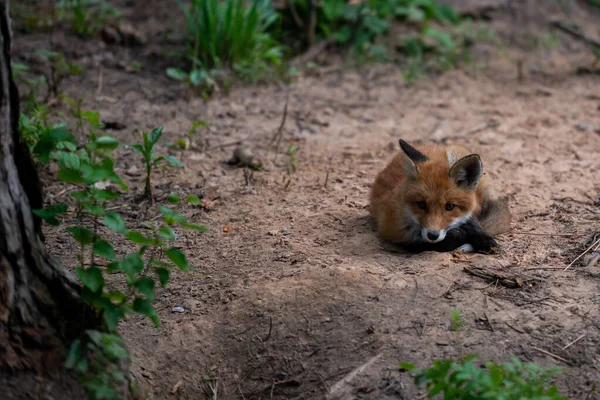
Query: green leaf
x=170, y=216
x=163, y=275
x=177, y=74
x=117, y=296
x=91, y=278
x=178, y=258
x=138, y=238
x=173, y=162
x=74, y=354
x=194, y=200
x=104, y=249
x=139, y=149
x=197, y=76
x=166, y=233
x=49, y=213
x=155, y=135
x=173, y=198
x=107, y=142
x=112, y=315
x=407, y=366
x=144, y=307
x=145, y=286
x=195, y=227
x=83, y=236
x=70, y=176
x=78, y=194
x=115, y=222
x=443, y=38
x=131, y=264
x=94, y=209
x=103, y=195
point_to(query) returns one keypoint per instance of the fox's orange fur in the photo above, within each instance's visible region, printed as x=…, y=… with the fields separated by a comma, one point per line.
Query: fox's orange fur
x=405, y=184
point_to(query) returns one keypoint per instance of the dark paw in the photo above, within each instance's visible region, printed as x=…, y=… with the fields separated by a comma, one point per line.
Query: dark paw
x=487, y=245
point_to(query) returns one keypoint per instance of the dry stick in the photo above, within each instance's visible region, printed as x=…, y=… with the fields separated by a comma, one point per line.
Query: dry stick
x=552, y=355
x=279, y=133
x=225, y=145
x=574, y=341
x=489, y=124
x=488, y=321
x=576, y=33
x=270, y=329
x=568, y=198
x=543, y=234
x=582, y=254
x=294, y=13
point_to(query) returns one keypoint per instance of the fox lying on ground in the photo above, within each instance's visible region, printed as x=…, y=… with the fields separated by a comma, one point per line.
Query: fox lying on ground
x=435, y=198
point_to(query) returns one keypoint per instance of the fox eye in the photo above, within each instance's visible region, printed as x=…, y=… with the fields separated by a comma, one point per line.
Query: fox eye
x=450, y=206
x=422, y=205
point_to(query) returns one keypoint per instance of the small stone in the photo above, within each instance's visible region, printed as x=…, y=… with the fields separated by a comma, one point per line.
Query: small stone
x=133, y=171
x=110, y=35
x=584, y=127
x=442, y=343
x=178, y=309
x=131, y=36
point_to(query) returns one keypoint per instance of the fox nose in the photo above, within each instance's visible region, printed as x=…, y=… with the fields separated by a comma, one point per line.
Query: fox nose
x=433, y=235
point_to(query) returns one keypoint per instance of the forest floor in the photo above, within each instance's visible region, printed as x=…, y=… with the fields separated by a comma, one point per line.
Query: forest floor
x=292, y=291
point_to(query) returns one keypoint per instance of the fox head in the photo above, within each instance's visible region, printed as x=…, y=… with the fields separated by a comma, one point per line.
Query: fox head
x=439, y=193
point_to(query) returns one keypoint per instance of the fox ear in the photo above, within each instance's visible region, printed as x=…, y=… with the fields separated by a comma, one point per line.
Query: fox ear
x=412, y=153
x=467, y=171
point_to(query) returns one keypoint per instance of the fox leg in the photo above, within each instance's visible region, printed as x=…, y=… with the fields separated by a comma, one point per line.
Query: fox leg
x=468, y=237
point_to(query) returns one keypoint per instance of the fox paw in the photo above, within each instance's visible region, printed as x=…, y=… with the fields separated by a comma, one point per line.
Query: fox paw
x=465, y=248
x=488, y=245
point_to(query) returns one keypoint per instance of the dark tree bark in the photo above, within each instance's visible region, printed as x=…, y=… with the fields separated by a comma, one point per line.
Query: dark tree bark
x=40, y=309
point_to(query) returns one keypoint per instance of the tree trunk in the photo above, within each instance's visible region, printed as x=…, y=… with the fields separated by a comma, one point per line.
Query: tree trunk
x=40, y=309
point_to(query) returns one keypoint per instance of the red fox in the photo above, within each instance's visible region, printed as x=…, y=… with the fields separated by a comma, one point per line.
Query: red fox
x=436, y=198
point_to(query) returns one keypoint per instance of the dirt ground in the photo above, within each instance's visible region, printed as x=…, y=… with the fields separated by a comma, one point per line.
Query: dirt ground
x=299, y=299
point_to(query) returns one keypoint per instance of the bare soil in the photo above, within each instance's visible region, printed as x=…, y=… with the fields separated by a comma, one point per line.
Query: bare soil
x=293, y=296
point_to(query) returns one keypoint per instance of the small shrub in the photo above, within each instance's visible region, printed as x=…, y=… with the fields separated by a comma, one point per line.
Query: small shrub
x=465, y=380
x=228, y=34
x=456, y=320
x=147, y=150
x=98, y=355
x=87, y=16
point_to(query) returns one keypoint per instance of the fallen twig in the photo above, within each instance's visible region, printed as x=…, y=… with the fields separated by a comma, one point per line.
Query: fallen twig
x=582, y=254
x=552, y=355
x=568, y=198
x=279, y=134
x=574, y=341
x=489, y=322
x=543, y=234
x=270, y=329
x=576, y=32
x=492, y=123
x=492, y=276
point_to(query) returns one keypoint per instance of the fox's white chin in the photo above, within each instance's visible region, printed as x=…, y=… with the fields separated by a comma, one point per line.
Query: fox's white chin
x=439, y=239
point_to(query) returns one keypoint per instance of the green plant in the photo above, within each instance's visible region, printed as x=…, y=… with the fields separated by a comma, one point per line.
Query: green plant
x=228, y=34
x=97, y=355
x=456, y=320
x=59, y=70
x=87, y=16
x=292, y=165
x=466, y=381
x=147, y=150
x=194, y=128
x=33, y=83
